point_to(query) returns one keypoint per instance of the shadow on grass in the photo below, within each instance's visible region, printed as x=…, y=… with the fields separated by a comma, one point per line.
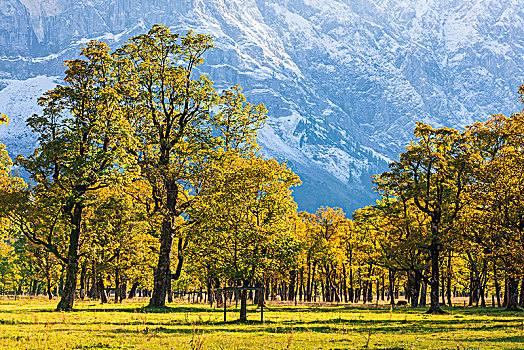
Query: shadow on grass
x=204, y=308
x=123, y=309
x=350, y=319
x=420, y=327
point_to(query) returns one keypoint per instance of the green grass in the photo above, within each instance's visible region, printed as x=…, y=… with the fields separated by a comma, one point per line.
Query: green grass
x=32, y=324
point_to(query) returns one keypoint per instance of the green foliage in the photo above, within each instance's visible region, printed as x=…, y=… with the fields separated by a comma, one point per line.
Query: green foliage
x=145, y=174
x=241, y=228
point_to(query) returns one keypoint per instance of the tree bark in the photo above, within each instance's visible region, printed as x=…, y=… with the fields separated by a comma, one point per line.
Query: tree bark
x=308, y=283
x=313, y=291
x=497, y=285
x=351, y=293
x=383, y=290
x=443, y=288
x=513, y=293
x=301, y=289
x=292, y=282
x=163, y=270
x=180, y=260
x=482, y=286
x=448, y=286
x=162, y=275
x=506, y=290
x=69, y=290
x=423, y=292
x=102, y=289
x=132, y=292
x=117, y=285
x=414, y=281
x=259, y=295
x=49, y=293
x=435, y=280
x=123, y=291
x=391, y=290
x=365, y=292
x=83, y=278
x=243, y=303
x=344, y=283
x=169, y=290
x=521, y=300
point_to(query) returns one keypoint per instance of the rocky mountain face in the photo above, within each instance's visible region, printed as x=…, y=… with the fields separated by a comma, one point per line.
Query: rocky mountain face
x=344, y=80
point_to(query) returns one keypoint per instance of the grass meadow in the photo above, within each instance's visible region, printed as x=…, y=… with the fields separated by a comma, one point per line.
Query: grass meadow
x=33, y=324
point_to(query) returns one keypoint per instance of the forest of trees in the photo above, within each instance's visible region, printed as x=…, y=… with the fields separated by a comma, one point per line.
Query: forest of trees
x=147, y=181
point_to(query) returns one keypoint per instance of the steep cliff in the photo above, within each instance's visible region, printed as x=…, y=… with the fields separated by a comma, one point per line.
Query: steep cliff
x=344, y=81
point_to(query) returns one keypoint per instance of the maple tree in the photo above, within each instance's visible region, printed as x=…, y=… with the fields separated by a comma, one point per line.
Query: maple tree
x=181, y=125
x=82, y=134
x=241, y=227
x=434, y=172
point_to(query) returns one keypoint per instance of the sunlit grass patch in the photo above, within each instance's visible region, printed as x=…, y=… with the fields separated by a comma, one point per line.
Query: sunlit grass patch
x=32, y=324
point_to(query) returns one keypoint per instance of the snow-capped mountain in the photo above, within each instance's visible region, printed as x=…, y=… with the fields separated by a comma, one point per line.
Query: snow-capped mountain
x=344, y=80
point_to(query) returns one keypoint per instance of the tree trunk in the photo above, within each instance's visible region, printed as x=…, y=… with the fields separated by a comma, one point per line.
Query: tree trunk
x=132, y=292
x=521, y=300
x=243, y=304
x=102, y=290
x=34, y=287
x=61, y=282
x=117, y=285
x=471, y=289
x=448, y=286
x=391, y=287
x=169, y=291
x=209, y=288
x=497, y=285
x=69, y=290
x=370, y=285
x=162, y=272
x=351, y=287
x=506, y=290
x=259, y=295
x=378, y=290
x=482, y=286
x=435, y=280
x=423, y=292
x=513, y=293
x=49, y=293
x=383, y=291
x=301, y=289
x=323, y=289
x=443, y=289
x=83, y=277
x=93, y=291
x=413, y=288
x=123, y=291
x=308, y=283
x=313, y=291
x=180, y=260
x=326, y=286
x=344, y=283
x=365, y=292
x=292, y=282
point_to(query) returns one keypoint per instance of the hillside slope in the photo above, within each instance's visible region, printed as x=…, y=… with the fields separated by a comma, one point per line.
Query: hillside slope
x=344, y=80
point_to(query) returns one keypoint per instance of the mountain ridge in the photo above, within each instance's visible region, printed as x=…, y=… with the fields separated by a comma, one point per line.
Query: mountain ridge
x=344, y=81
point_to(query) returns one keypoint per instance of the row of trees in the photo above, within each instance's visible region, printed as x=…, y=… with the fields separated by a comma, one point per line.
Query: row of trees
x=459, y=192
x=133, y=121
x=146, y=176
